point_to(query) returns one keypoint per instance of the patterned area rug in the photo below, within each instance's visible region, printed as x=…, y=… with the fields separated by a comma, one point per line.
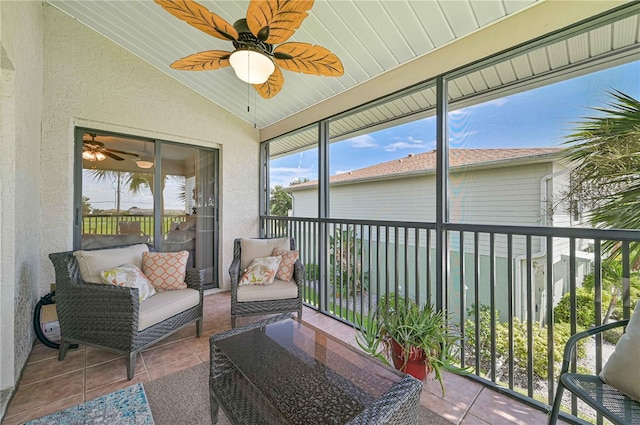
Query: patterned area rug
x=128, y=406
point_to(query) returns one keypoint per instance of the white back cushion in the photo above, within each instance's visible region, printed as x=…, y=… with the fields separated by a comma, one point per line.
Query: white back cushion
x=256, y=248
x=91, y=263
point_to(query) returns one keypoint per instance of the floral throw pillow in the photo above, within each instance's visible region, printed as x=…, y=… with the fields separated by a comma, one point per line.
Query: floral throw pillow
x=166, y=270
x=261, y=271
x=289, y=258
x=130, y=276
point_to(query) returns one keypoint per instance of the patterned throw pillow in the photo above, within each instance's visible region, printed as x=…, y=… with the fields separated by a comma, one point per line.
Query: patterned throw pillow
x=261, y=271
x=130, y=276
x=165, y=270
x=289, y=258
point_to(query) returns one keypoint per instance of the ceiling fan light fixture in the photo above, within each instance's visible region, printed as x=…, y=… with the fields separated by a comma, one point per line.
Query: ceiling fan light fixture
x=144, y=164
x=93, y=156
x=251, y=66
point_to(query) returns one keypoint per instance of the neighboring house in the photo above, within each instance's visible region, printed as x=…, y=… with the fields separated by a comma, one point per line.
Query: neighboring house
x=487, y=186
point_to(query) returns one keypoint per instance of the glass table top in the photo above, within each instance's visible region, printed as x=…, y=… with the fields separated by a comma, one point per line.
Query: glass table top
x=307, y=375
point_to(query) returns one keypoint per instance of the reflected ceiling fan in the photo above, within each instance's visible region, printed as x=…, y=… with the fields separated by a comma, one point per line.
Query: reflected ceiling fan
x=93, y=150
x=255, y=60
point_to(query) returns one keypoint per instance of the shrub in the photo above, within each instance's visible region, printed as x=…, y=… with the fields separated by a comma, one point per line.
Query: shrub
x=311, y=271
x=585, y=310
x=562, y=332
x=612, y=335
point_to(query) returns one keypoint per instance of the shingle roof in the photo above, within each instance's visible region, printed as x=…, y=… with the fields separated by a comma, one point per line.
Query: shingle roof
x=426, y=161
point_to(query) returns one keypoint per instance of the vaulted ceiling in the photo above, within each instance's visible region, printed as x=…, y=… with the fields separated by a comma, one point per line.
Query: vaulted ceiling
x=372, y=38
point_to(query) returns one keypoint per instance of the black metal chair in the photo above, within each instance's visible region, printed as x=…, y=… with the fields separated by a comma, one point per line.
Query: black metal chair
x=617, y=407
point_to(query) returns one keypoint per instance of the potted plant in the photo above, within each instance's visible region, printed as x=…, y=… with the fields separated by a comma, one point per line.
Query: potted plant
x=418, y=340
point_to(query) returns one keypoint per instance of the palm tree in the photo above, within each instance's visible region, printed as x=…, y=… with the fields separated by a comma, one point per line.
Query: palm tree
x=606, y=180
x=606, y=152
x=136, y=182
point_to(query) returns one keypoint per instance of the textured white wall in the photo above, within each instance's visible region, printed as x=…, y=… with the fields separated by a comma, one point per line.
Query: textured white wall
x=91, y=81
x=21, y=26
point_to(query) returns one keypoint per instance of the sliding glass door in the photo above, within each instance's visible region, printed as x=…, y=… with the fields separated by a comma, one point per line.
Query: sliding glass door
x=133, y=190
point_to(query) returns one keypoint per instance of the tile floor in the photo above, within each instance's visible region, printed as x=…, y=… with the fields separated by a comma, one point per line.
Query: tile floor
x=48, y=385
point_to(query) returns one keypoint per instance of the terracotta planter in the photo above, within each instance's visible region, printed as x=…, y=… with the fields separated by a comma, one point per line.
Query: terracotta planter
x=415, y=366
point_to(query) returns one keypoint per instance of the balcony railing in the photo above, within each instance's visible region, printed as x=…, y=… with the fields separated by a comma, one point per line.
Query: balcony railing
x=108, y=224
x=516, y=275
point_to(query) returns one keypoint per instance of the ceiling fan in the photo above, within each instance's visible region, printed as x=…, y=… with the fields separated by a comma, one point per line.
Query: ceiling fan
x=93, y=150
x=255, y=60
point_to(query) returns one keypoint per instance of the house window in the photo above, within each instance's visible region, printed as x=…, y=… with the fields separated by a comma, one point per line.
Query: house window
x=134, y=190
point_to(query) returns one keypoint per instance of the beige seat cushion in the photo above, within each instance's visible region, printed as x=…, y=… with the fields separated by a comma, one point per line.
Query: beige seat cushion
x=91, y=263
x=256, y=248
x=278, y=290
x=166, y=304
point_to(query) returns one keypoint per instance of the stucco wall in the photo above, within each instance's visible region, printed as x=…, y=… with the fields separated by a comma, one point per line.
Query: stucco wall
x=21, y=37
x=91, y=81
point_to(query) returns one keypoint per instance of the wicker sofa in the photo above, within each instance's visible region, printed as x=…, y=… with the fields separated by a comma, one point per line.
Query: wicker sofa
x=112, y=317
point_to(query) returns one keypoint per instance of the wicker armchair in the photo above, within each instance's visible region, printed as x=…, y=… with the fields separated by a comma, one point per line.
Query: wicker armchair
x=107, y=316
x=262, y=303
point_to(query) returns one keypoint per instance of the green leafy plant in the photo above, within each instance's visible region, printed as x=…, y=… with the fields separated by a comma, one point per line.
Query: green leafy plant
x=345, y=267
x=368, y=336
x=311, y=271
x=612, y=278
x=585, y=310
x=411, y=326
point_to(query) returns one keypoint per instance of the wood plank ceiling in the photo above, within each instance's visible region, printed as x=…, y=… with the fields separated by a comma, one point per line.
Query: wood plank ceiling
x=369, y=36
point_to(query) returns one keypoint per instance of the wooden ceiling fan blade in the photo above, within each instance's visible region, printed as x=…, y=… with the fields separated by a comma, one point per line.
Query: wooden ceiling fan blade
x=122, y=152
x=308, y=59
x=274, y=21
x=112, y=155
x=92, y=144
x=200, y=17
x=203, y=61
x=272, y=86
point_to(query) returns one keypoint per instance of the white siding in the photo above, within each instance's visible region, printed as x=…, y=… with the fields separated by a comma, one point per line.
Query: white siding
x=510, y=196
x=407, y=199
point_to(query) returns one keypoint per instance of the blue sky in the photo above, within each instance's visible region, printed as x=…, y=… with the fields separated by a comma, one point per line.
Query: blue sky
x=102, y=195
x=540, y=117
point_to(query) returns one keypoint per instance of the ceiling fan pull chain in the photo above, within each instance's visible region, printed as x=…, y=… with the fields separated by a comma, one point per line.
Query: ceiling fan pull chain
x=248, y=88
x=248, y=98
x=255, y=109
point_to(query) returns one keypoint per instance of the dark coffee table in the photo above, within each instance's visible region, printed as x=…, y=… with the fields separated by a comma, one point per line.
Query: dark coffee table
x=279, y=371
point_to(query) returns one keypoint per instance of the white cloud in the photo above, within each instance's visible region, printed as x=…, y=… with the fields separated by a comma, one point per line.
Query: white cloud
x=283, y=176
x=364, y=141
x=455, y=137
x=497, y=102
x=409, y=144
